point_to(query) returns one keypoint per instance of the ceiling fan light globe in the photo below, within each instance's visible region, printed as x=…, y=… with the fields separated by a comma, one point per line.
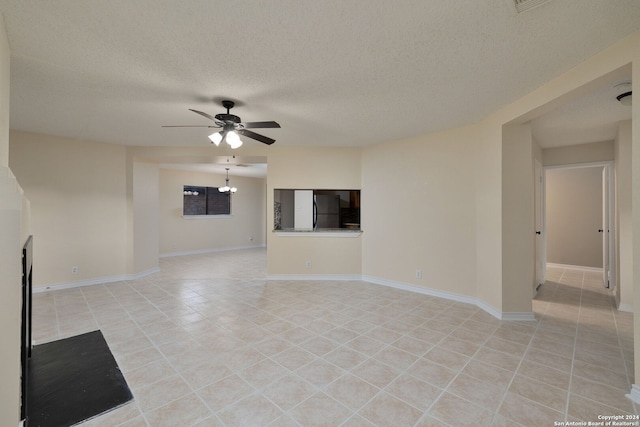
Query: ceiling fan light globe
x=233, y=189
x=216, y=138
x=236, y=144
x=233, y=139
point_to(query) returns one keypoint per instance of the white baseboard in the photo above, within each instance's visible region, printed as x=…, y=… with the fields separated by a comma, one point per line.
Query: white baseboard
x=420, y=290
x=452, y=296
x=575, y=267
x=515, y=316
x=111, y=279
x=634, y=394
x=344, y=277
x=627, y=308
x=411, y=288
x=97, y=281
x=208, y=251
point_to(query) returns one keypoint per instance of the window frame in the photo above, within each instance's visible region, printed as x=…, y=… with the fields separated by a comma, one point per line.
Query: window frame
x=207, y=193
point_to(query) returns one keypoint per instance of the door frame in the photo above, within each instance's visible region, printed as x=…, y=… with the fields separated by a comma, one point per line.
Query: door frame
x=540, y=225
x=609, y=271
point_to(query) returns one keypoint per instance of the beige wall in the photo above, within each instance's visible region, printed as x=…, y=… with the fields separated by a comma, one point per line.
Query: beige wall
x=77, y=191
x=4, y=95
x=635, y=209
x=419, y=211
x=623, y=217
x=582, y=153
x=574, y=215
x=244, y=228
x=145, y=219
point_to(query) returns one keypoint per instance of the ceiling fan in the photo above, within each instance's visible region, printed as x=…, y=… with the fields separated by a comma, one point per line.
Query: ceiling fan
x=231, y=126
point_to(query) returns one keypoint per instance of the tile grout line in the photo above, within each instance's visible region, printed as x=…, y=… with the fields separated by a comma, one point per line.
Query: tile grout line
x=515, y=372
x=444, y=389
x=142, y=413
x=624, y=361
x=573, y=356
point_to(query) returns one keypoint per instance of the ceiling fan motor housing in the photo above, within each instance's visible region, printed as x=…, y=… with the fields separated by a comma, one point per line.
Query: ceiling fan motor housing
x=228, y=118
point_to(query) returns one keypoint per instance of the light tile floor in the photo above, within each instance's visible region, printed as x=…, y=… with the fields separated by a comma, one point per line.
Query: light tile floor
x=209, y=341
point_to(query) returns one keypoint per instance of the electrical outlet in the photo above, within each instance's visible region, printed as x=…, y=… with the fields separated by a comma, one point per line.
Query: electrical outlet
x=308, y=264
x=418, y=274
x=74, y=270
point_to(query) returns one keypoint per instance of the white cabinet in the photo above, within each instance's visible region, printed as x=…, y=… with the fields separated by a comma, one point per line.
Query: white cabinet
x=303, y=210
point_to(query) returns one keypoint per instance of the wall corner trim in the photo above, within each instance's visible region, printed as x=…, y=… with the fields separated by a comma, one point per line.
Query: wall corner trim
x=634, y=394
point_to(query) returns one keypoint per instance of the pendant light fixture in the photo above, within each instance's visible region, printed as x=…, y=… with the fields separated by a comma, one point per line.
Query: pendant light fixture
x=226, y=188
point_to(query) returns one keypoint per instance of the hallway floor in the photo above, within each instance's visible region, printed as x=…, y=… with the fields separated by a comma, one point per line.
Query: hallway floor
x=209, y=342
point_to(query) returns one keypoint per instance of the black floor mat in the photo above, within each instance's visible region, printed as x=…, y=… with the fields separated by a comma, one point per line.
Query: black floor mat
x=72, y=380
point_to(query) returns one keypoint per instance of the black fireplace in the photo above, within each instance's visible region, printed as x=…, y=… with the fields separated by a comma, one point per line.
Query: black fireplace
x=27, y=285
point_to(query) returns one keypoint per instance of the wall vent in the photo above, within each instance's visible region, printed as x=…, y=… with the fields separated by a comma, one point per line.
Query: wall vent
x=523, y=5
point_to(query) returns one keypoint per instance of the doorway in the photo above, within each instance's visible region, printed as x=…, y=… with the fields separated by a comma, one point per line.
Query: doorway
x=576, y=225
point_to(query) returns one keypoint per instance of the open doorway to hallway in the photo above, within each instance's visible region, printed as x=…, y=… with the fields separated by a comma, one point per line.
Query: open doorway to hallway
x=578, y=218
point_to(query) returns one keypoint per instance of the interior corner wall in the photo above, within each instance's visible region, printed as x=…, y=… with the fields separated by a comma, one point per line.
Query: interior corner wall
x=245, y=227
x=418, y=211
x=78, y=196
x=518, y=222
x=488, y=205
x=10, y=299
x=11, y=230
x=537, y=151
x=623, y=216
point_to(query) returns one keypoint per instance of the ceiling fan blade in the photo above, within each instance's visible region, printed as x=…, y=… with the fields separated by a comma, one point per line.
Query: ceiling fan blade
x=191, y=126
x=270, y=124
x=256, y=136
x=208, y=116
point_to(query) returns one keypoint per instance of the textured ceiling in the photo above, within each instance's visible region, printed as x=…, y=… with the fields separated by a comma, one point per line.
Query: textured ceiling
x=331, y=72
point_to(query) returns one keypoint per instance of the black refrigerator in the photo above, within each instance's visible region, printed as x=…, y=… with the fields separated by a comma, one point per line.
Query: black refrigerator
x=326, y=211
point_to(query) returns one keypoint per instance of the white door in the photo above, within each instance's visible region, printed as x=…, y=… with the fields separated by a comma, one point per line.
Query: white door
x=608, y=232
x=541, y=260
